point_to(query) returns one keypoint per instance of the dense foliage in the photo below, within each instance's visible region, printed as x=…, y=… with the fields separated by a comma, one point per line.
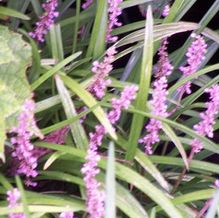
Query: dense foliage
x=101, y=116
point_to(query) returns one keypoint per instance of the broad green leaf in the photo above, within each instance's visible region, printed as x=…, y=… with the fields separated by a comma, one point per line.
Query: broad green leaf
x=15, y=57
x=144, y=85
x=110, y=205
x=90, y=102
x=2, y=138
x=77, y=129
x=12, y=13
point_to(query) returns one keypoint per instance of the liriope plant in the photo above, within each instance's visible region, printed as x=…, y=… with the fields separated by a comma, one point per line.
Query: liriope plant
x=98, y=118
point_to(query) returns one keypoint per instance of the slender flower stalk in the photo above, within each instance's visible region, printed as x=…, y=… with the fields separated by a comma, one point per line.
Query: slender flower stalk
x=95, y=197
x=113, y=13
x=13, y=198
x=159, y=98
x=195, y=55
x=205, y=126
x=23, y=148
x=46, y=20
x=101, y=70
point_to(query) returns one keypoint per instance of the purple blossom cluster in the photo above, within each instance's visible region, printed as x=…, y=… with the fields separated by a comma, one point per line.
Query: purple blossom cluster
x=205, y=126
x=67, y=215
x=101, y=70
x=13, y=197
x=95, y=197
x=23, y=148
x=113, y=13
x=159, y=98
x=57, y=137
x=46, y=20
x=195, y=55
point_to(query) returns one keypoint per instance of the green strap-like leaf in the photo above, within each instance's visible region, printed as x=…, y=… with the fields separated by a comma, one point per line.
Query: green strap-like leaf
x=98, y=37
x=12, y=13
x=77, y=129
x=90, y=102
x=128, y=175
x=170, y=133
x=110, y=204
x=144, y=85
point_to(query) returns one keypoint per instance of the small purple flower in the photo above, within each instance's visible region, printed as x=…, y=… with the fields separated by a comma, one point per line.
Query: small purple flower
x=166, y=11
x=13, y=197
x=23, y=148
x=46, y=20
x=195, y=55
x=113, y=13
x=205, y=126
x=101, y=71
x=159, y=98
x=164, y=67
x=95, y=197
x=67, y=215
x=216, y=183
x=87, y=4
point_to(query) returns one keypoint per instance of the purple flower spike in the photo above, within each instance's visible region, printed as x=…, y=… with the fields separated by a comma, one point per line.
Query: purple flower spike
x=195, y=55
x=46, y=20
x=67, y=215
x=13, y=197
x=159, y=98
x=159, y=108
x=95, y=197
x=205, y=126
x=23, y=148
x=113, y=12
x=101, y=71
